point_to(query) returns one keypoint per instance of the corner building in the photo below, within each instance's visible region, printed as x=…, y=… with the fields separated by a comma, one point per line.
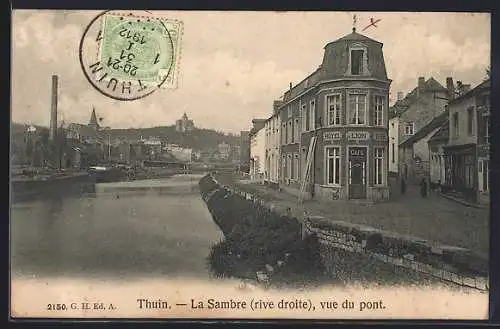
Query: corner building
x=344, y=103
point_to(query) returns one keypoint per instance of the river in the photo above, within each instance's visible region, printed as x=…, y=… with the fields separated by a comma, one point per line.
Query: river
x=142, y=229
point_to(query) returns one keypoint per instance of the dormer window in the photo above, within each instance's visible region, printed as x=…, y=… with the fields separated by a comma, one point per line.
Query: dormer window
x=357, y=56
x=358, y=60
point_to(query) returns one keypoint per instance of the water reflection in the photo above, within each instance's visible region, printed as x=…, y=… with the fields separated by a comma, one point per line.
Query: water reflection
x=116, y=231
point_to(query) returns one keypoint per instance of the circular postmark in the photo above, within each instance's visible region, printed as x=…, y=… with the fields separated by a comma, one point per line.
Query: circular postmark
x=128, y=55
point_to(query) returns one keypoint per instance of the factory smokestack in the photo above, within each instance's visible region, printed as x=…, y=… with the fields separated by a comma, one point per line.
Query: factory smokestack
x=53, y=110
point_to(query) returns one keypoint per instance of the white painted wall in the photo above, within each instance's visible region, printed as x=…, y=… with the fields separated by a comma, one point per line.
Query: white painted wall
x=258, y=154
x=272, y=141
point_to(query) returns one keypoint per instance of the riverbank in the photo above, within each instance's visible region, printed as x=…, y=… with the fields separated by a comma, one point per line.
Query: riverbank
x=56, y=184
x=274, y=234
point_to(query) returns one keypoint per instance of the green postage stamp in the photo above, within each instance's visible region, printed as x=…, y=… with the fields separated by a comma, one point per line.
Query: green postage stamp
x=128, y=55
x=140, y=48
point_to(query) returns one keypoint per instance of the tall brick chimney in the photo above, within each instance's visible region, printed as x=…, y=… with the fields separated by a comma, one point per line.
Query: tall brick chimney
x=451, y=87
x=53, y=109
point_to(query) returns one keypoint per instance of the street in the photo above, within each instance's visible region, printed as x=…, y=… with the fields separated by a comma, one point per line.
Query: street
x=127, y=230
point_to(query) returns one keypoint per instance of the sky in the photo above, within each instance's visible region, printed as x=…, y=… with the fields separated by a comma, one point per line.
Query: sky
x=234, y=64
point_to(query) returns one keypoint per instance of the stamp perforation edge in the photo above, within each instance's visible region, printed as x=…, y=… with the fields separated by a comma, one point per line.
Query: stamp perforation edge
x=178, y=51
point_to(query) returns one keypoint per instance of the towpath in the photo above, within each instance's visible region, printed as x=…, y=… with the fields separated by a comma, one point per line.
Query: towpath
x=434, y=218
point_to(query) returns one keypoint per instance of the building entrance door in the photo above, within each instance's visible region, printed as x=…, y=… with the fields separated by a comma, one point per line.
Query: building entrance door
x=357, y=173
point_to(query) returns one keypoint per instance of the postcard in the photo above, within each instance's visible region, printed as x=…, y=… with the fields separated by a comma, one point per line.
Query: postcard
x=249, y=165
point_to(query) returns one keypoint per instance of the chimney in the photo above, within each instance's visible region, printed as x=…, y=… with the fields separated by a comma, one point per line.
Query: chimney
x=465, y=88
x=451, y=88
x=290, y=86
x=53, y=110
x=421, y=83
x=276, y=106
x=400, y=95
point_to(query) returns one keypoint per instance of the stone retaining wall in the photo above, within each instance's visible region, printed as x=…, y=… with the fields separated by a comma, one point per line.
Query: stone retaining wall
x=453, y=264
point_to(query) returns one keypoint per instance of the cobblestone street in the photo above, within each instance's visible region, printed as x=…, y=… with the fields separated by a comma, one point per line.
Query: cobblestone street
x=434, y=218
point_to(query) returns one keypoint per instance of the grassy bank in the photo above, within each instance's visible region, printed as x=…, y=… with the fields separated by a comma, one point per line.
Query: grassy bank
x=259, y=240
x=256, y=236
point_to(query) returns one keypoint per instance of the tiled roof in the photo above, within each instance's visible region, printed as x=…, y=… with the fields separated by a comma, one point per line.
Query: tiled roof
x=85, y=131
x=441, y=133
x=483, y=85
x=403, y=104
x=433, y=85
x=426, y=130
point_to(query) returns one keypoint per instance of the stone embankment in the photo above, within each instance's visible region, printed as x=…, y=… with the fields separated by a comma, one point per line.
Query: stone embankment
x=260, y=232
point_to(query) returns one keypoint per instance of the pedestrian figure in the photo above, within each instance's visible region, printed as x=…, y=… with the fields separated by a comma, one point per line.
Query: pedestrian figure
x=423, y=188
x=403, y=185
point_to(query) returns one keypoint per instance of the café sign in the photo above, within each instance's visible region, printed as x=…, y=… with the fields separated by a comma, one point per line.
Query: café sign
x=358, y=135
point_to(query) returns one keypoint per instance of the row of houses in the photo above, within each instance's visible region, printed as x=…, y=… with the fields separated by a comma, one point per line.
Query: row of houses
x=452, y=149
x=333, y=136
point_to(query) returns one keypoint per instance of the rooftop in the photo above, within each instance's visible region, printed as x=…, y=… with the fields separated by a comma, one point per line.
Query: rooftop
x=426, y=130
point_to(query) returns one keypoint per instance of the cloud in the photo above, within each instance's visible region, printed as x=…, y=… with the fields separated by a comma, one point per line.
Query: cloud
x=234, y=64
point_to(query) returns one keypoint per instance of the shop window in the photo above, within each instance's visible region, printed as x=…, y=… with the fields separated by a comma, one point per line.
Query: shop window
x=486, y=164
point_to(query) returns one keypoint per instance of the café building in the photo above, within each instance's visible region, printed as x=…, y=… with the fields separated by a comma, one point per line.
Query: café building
x=344, y=104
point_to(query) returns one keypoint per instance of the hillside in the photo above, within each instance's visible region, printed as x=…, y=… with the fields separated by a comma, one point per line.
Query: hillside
x=200, y=139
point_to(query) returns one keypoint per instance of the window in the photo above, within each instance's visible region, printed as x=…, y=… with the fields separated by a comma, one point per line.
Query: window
x=312, y=114
x=455, y=125
x=333, y=165
x=486, y=164
x=357, y=61
x=289, y=132
x=289, y=111
x=378, y=111
x=393, y=155
x=305, y=118
x=470, y=121
x=486, y=129
x=409, y=128
x=284, y=136
x=296, y=132
x=357, y=107
x=296, y=167
x=469, y=171
x=379, y=165
x=289, y=166
x=333, y=110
